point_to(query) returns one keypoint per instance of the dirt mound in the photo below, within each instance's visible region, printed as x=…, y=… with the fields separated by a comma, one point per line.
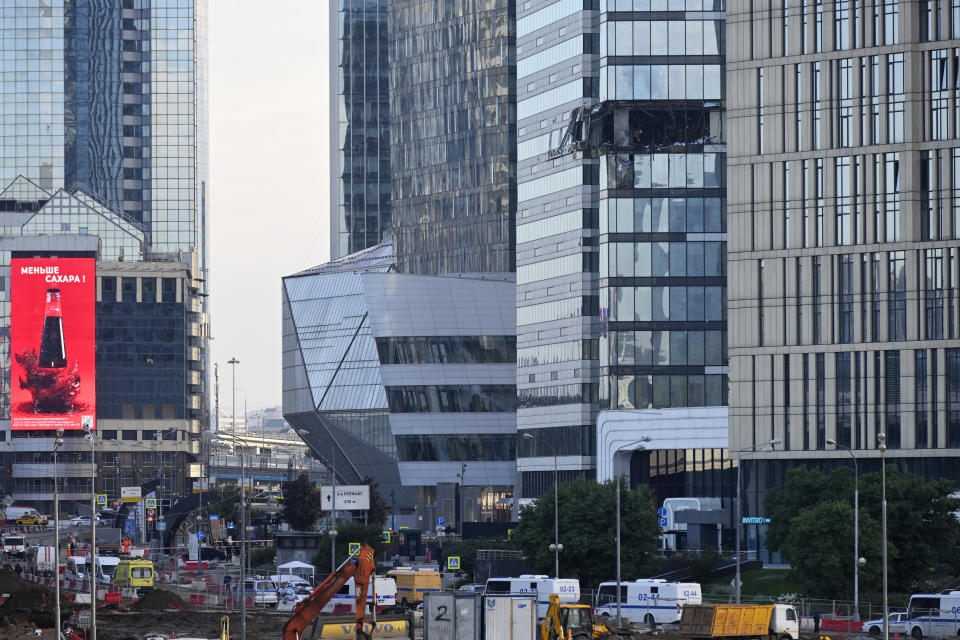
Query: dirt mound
x=10, y=582
x=33, y=605
x=158, y=600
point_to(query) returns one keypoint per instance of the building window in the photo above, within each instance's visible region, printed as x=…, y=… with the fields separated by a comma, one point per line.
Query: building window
x=845, y=104
x=815, y=108
x=845, y=287
x=940, y=95
x=891, y=21
x=818, y=25
x=875, y=300
x=844, y=397
x=891, y=378
x=821, y=402
x=806, y=401
x=844, y=202
x=786, y=402
x=452, y=399
x=895, y=98
x=786, y=205
x=842, y=23
x=891, y=163
x=816, y=299
x=933, y=295
x=897, y=296
x=821, y=202
x=921, y=411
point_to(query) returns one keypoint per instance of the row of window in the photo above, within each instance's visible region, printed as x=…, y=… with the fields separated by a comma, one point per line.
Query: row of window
x=662, y=38
x=663, y=259
x=664, y=348
x=871, y=286
x=667, y=304
x=555, y=225
x=579, y=45
x=558, y=352
x=662, y=215
x=452, y=398
x=585, y=262
x=586, y=393
x=448, y=349
x=555, y=182
x=457, y=448
x=575, y=440
x=657, y=391
x=848, y=18
x=664, y=171
x=558, y=310
x=662, y=82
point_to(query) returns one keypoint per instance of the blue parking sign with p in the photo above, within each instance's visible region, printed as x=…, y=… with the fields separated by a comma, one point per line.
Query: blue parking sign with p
x=441, y=521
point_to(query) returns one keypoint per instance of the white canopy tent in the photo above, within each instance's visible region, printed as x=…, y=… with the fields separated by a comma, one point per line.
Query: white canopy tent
x=296, y=568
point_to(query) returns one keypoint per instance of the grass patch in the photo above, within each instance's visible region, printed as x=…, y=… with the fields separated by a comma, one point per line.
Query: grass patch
x=758, y=582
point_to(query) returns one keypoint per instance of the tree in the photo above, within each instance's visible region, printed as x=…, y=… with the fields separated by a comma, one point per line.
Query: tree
x=379, y=509
x=819, y=547
x=587, y=519
x=347, y=532
x=225, y=503
x=301, y=503
x=811, y=524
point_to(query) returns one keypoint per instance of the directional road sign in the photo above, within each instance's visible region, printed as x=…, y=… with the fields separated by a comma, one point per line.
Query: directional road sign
x=662, y=512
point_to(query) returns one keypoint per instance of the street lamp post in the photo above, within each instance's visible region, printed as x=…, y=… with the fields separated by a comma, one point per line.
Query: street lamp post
x=642, y=440
x=556, y=547
x=856, y=529
x=242, y=587
x=93, y=531
x=56, y=534
x=739, y=523
x=882, y=445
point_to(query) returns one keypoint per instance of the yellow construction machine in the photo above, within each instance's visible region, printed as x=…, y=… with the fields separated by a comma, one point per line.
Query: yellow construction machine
x=575, y=622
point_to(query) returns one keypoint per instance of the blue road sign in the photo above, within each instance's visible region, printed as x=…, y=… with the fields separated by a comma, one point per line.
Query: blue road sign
x=200, y=535
x=662, y=522
x=151, y=503
x=662, y=512
x=441, y=521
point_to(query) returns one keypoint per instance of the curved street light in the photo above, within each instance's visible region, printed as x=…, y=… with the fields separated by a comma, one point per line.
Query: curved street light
x=763, y=446
x=642, y=441
x=556, y=547
x=856, y=528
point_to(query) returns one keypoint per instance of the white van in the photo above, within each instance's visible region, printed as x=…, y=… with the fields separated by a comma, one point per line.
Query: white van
x=78, y=568
x=386, y=595
x=934, y=614
x=651, y=601
x=540, y=586
x=42, y=559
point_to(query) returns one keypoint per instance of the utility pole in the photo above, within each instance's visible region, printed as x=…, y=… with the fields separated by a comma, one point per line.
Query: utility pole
x=242, y=587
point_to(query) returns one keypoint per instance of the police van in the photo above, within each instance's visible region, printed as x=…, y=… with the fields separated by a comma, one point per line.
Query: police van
x=539, y=586
x=345, y=600
x=651, y=601
x=934, y=614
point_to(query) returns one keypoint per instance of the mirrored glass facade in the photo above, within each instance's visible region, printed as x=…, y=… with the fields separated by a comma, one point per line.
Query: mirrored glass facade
x=621, y=217
x=360, y=206
x=403, y=377
x=453, y=134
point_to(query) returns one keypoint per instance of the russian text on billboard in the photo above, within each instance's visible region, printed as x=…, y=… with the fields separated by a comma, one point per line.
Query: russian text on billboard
x=52, y=328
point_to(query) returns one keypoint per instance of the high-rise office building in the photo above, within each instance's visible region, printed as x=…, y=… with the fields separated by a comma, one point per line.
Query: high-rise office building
x=103, y=113
x=359, y=125
x=843, y=174
x=621, y=281
x=453, y=135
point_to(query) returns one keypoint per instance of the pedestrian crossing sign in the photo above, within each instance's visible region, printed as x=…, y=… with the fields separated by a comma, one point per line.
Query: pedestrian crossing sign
x=151, y=503
x=102, y=499
x=453, y=563
x=353, y=548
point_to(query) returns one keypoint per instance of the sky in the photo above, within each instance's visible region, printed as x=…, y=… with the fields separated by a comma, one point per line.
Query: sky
x=268, y=153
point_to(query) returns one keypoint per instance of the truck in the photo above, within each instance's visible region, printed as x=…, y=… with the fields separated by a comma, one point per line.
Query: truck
x=933, y=614
x=412, y=584
x=539, y=586
x=654, y=601
x=42, y=558
x=345, y=600
x=14, y=545
x=741, y=621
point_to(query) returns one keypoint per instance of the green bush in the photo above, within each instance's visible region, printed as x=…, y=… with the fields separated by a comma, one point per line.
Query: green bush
x=263, y=557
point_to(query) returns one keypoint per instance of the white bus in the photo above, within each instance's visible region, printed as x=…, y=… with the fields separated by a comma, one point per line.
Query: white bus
x=540, y=586
x=345, y=600
x=651, y=601
x=934, y=615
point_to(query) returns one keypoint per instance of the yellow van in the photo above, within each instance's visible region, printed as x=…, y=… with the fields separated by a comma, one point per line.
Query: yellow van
x=134, y=573
x=413, y=584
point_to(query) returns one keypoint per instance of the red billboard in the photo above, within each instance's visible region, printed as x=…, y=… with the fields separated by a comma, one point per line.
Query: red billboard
x=53, y=371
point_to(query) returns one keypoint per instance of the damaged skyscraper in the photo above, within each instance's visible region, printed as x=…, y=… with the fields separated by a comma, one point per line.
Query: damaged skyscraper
x=621, y=233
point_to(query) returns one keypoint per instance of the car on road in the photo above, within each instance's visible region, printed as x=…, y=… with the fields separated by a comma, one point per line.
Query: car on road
x=82, y=521
x=298, y=593
x=897, y=624
x=31, y=519
x=260, y=590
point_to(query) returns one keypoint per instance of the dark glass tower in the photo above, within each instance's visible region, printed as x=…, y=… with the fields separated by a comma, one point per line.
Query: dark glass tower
x=360, y=185
x=453, y=134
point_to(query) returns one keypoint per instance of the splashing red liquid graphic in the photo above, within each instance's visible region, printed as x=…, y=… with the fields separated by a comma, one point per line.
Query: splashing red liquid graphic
x=52, y=390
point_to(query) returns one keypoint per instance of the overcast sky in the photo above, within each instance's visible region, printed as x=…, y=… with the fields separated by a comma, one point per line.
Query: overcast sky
x=268, y=178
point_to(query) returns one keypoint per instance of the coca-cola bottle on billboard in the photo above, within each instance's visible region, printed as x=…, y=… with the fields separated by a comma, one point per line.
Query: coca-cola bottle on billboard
x=53, y=354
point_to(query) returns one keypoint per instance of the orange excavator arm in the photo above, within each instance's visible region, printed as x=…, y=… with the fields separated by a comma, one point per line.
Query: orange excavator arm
x=360, y=567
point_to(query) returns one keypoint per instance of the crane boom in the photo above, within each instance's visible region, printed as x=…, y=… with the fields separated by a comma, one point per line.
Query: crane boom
x=361, y=567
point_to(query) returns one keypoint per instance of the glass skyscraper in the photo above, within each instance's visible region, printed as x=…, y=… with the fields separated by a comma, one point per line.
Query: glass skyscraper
x=453, y=135
x=103, y=127
x=360, y=125
x=621, y=280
